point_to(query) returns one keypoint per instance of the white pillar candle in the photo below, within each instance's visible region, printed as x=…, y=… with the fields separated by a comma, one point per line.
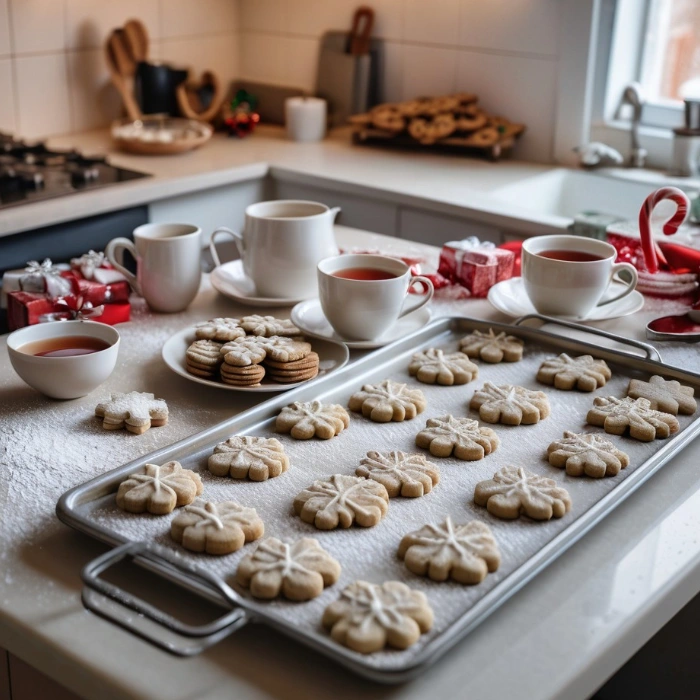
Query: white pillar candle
x=305, y=118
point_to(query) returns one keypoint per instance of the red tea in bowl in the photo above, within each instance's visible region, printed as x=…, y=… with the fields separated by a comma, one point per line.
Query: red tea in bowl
x=65, y=346
x=570, y=255
x=364, y=273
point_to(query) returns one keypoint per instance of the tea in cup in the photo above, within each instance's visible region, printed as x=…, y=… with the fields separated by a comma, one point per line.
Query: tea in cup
x=362, y=296
x=569, y=275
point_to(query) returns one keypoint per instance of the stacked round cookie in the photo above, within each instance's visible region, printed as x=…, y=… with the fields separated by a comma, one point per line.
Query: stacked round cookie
x=241, y=352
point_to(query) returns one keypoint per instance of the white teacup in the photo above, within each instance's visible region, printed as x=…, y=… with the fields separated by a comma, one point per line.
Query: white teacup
x=568, y=275
x=281, y=244
x=168, y=264
x=370, y=296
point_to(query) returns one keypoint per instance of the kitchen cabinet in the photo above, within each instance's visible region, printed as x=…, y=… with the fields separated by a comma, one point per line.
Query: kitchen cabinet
x=209, y=209
x=360, y=212
x=435, y=229
x=4, y=675
x=20, y=681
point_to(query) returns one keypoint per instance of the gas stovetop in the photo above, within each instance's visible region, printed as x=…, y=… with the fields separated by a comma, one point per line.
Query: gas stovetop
x=33, y=172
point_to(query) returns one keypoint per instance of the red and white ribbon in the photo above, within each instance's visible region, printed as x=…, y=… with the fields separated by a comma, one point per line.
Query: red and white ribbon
x=652, y=252
x=72, y=309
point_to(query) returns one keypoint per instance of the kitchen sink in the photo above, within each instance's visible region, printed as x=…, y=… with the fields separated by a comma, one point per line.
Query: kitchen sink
x=564, y=193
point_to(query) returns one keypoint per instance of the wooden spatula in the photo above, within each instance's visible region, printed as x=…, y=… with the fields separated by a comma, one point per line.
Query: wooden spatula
x=122, y=68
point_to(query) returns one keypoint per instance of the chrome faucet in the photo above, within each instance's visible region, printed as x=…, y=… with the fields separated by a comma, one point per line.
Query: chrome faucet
x=632, y=96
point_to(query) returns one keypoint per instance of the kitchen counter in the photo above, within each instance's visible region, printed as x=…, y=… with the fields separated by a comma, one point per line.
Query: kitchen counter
x=449, y=185
x=560, y=637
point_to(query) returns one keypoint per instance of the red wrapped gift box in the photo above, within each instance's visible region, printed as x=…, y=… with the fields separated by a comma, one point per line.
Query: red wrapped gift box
x=27, y=308
x=475, y=265
x=478, y=272
x=98, y=293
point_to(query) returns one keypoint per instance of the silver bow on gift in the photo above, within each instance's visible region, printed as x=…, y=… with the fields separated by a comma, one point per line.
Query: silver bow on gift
x=72, y=309
x=471, y=243
x=45, y=277
x=88, y=263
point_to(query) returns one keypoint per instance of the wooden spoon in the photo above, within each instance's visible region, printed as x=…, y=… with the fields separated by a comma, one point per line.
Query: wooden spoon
x=122, y=69
x=136, y=40
x=188, y=100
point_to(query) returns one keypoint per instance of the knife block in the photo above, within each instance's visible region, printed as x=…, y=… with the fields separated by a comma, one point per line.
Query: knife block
x=350, y=84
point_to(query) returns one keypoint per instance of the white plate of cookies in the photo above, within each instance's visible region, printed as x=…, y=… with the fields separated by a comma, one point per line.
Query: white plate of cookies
x=254, y=353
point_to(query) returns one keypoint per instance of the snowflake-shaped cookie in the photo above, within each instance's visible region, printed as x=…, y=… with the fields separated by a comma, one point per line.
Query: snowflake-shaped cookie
x=491, y=347
x=619, y=415
x=465, y=553
x=368, y=617
x=159, y=489
x=254, y=349
x=342, y=500
x=268, y=326
x=510, y=405
x=135, y=411
x=244, y=456
x=220, y=329
x=299, y=571
x=435, y=367
x=462, y=437
x=668, y=396
x=584, y=373
x=313, y=419
x=514, y=491
x=588, y=454
x=401, y=474
x=388, y=401
x=216, y=528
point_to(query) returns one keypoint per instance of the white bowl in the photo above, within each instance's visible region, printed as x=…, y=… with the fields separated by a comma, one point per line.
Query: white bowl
x=64, y=377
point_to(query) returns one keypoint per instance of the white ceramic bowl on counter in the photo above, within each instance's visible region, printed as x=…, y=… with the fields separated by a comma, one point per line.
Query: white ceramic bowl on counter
x=64, y=377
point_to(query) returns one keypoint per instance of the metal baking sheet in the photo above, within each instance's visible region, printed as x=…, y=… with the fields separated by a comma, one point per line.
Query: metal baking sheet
x=370, y=554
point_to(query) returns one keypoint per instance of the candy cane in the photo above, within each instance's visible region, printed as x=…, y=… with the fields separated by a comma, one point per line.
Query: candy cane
x=651, y=251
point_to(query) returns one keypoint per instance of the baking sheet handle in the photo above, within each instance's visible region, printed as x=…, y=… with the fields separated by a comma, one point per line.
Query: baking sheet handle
x=145, y=620
x=650, y=352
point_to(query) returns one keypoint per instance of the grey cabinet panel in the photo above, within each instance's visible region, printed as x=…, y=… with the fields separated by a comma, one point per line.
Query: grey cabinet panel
x=435, y=229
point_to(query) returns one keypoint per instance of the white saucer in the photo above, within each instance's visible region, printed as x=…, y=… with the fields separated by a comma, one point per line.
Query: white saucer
x=510, y=298
x=332, y=356
x=230, y=280
x=309, y=317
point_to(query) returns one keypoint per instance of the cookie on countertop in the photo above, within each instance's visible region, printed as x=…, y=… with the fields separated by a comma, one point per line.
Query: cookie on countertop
x=298, y=571
x=509, y=404
x=368, y=617
x=245, y=456
x=268, y=326
x=293, y=370
x=216, y=528
x=664, y=395
x=312, y=419
x=462, y=437
x=203, y=358
x=492, y=348
x=136, y=411
x=433, y=366
x=222, y=330
x=513, y=491
x=243, y=352
x=618, y=416
x=388, y=401
x=586, y=453
x=401, y=474
x=248, y=376
x=584, y=373
x=465, y=552
x=340, y=501
x=159, y=489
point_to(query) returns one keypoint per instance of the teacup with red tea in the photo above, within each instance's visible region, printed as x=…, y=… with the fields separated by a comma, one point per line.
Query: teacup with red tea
x=569, y=275
x=363, y=295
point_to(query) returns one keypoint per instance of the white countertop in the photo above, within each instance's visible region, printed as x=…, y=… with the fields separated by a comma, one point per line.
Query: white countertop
x=450, y=185
x=560, y=637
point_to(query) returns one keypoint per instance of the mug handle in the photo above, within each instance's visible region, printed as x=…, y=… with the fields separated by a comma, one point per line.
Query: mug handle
x=114, y=247
x=618, y=267
x=237, y=238
x=423, y=299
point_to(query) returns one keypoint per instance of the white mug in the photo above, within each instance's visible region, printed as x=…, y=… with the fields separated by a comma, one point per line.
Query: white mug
x=571, y=287
x=281, y=245
x=363, y=309
x=168, y=264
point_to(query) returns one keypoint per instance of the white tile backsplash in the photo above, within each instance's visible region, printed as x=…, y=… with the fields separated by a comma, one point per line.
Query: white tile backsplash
x=181, y=18
x=264, y=15
x=511, y=25
x=39, y=26
x=5, y=44
x=42, y=96
x=215, y=52
x=428, y=71
x=8, y=121
x=431, y=22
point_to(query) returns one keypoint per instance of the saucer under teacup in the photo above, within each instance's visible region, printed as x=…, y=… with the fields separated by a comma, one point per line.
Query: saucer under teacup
x=309, y=317
x=230, y=280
